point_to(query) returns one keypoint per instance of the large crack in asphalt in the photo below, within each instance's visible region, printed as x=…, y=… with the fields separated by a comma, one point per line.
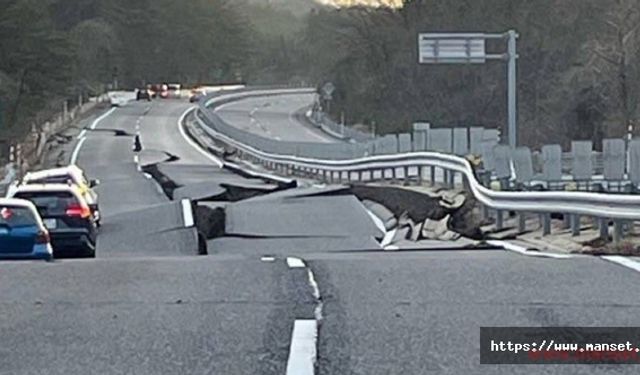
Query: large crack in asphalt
x=116, y=132
x=412, y=210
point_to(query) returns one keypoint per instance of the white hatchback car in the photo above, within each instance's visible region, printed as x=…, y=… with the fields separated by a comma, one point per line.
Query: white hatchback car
x=64, y=175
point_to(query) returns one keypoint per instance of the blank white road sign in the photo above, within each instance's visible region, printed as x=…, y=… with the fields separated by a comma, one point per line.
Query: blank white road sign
x=438, y=48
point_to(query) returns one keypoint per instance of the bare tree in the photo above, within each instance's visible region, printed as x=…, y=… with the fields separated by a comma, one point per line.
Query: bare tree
x=614, y=60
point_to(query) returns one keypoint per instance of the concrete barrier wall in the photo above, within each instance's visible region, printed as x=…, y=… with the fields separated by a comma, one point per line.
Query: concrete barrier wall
x=440, y=140
x=582, y=168
x=552, y=162
x=614, y=159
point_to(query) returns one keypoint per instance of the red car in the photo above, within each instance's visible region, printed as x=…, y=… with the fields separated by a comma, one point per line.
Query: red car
x=159, y=91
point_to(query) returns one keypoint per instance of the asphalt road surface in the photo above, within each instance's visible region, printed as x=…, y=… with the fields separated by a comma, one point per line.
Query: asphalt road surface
x=148, y=305
x=274, y=117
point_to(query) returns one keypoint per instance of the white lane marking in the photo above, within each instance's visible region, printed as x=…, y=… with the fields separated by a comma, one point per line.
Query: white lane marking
x=524, y=251
x=192, y=143
x=388, y=237
x=317, y=312
x=136, y=160
x=377, y=221
x=76, y=150
x=268, y=259
x=95, y=122
x=82, y=136
x=302, y=352
x=295, y=262
x=623, y=261
x=187, y=213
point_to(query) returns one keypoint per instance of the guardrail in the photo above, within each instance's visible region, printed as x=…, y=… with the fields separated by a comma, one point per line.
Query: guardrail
x=278, y=156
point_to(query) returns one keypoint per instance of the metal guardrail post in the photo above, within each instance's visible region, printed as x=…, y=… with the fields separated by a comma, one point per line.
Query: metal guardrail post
x=499, y=220
x=406, y=175
x=566, y=221
x=420, y=171
x=546, y=224
x=521, y=222
x=617, y=231
x=603, y=226
x=575, y=225
x=433, y=175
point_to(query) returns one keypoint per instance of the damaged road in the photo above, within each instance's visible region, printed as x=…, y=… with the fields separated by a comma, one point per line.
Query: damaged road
x=341, y=218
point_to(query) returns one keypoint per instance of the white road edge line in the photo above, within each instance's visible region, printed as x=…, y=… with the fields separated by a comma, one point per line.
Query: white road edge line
x=82, y=136
x=302, y=352
x=388, y=237
x=295, y=262
x=76, y=150
x=187, y=213
x=623, y=261
x=524, y=251
x=192, y=143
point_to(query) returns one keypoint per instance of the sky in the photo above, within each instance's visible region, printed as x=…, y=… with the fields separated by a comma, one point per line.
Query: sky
x=361, y=2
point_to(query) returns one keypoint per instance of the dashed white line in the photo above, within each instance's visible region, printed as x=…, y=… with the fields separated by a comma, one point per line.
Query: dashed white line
x=268, y=259
x=302, y=352
x=192, y=143
x=295, y=262
x=136, y=160
x=623, y=261
x=187, y=213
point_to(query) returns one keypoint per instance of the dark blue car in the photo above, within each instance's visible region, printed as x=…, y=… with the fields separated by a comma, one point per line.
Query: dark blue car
x=22, y=232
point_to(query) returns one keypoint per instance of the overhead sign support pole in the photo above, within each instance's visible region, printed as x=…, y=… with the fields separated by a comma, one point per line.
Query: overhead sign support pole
x=469, y=48
x=512, y=90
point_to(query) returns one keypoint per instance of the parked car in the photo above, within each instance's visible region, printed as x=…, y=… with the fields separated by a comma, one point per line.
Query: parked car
x=22, y=232
x=159, y=91
x=66, y=215
x=117, y=100
x=143, y=94
x=173, y=90
x=65, y=175
x=196, y=95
